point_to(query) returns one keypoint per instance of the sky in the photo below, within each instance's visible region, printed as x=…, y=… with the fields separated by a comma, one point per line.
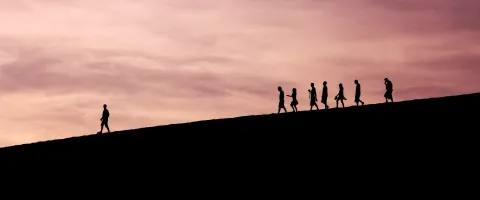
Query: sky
x=157, y=62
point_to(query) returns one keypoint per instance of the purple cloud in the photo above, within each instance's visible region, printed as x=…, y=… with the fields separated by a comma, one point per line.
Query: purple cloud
x=160, y=62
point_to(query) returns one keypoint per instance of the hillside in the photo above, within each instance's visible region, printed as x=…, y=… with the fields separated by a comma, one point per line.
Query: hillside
x=398, y=127
x=427, y=146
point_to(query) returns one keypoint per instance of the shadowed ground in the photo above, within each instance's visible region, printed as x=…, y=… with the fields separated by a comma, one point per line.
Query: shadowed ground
x=396, y=148
x=395, y=127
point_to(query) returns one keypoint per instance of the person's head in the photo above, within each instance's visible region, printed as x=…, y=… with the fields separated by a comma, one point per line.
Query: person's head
x=279, y=88
x=311, y=84
x=294, y=90
x=324, y=82
x=104, y=106
x=386, y=79
x=356, y=81
x=340, y=85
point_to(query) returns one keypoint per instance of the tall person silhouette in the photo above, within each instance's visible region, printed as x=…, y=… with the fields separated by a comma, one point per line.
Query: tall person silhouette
x=313, y=97
x=340, y=96
x=281, y=103
x=358, y=93
x=104, y=119
x=294, y=100
x=389, y=87
x=325, y=94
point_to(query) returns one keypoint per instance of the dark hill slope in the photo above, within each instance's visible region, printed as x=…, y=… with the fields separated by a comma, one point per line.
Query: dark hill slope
x=426, y=126
x=410, y=149
x=401, y=125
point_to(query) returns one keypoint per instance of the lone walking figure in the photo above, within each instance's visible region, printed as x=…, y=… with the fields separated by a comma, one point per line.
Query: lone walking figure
x=104, y=119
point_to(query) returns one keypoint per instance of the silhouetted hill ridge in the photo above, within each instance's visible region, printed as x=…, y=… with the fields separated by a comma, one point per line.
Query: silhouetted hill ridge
x=397, y=128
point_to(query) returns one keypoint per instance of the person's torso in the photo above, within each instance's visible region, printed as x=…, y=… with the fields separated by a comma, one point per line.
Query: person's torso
x=325, y=91
x=281, y=95
x=357, y=90
x=105, y=114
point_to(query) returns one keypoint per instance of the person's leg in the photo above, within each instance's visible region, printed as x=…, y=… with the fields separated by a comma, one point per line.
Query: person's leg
x=279, y=110
x=106, y=126
x=362, y=102
x=337, y=103
x=101, y=128
x=284, y=109
x=389, y=96
x=343, y=105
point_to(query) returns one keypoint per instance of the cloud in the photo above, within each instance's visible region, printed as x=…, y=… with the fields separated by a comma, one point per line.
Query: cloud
x=160, y=62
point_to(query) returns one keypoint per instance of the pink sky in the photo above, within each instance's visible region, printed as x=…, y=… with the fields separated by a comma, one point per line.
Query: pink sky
x=158, y=62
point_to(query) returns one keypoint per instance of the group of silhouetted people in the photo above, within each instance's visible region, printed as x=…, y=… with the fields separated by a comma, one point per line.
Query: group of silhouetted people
x=281, y=105
x=338, y=98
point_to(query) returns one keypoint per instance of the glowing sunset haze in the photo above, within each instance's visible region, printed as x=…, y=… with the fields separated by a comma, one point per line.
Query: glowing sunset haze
x=156, y=62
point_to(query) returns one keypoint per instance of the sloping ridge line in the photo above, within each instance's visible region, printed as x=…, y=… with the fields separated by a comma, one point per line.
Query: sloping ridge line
x=457, y=102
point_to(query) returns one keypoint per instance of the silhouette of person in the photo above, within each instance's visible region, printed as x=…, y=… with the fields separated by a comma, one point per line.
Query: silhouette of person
x=313, y=97
x=358, y=93
x=294, y=100
x=340, y=96
x=281, y=104
x=104, y=119
x=325, y=94
x=388, y=94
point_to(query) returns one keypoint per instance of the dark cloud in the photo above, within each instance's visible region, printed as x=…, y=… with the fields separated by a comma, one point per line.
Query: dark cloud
x=434, y=15
x=33, y=71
